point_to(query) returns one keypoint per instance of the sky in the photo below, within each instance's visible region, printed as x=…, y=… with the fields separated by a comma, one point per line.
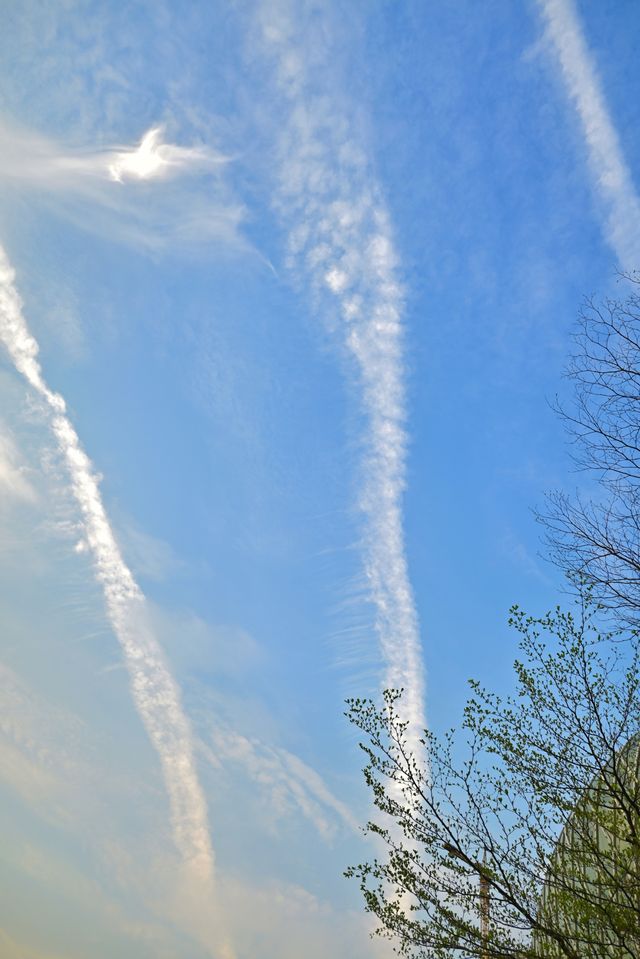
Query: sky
x=286, y=294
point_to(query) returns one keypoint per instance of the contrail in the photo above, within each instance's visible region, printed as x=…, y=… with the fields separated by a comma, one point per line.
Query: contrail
x=340, y=237
x=155, y=693
x=611, y=173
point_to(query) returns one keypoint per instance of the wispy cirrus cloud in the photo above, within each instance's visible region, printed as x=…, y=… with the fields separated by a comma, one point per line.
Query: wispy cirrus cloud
x=155, y=693
x=341, y=242
x=120, y=184
x=13, y=475
x=32, y=159
x=613, y=179
x=153, y=159
x=287, y=782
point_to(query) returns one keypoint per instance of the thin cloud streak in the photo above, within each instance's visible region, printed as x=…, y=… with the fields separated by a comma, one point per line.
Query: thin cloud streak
x=340, y=238
x=287, y=782
x=154, y=690
x=611, y=173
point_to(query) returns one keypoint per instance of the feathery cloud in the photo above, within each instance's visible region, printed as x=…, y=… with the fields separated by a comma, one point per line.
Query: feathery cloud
x=288, y=782
x=13, y=479
x=340, y=238
x=612, y=176
x=31, y=158
x=284, y=920
x=154, y=690
x=153, y=159
x=111, y=179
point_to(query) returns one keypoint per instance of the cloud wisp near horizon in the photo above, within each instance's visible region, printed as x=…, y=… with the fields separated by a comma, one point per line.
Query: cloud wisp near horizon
x=613, y=178
x=341, y=241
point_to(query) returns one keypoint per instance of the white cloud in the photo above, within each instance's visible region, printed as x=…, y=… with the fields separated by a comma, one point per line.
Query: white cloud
x=27, y=157
x=341, y=240
x=23, y=722
x=153, y=159
x=315, y=785
x=147, y=555
x=115, y=191
x=155, y=693
x=287, y=783
x=611, y=173
x=89, y=898
x=54, y=762
x=48, y=757
x=285, y=921
x=198, y=648
x=13, y=473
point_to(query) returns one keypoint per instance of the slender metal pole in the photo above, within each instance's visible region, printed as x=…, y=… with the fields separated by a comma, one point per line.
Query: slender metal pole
x=484, y=911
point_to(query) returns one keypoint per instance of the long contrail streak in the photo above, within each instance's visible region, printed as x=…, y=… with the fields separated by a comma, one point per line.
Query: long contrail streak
x=610, y=170
x=341, y=239
x=155, y=693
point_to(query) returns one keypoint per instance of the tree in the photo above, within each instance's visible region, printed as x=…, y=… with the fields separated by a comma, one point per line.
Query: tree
x=521, y=836
x=597, y=538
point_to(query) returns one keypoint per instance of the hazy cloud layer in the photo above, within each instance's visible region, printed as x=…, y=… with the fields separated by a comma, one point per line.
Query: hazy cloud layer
x=14, y=481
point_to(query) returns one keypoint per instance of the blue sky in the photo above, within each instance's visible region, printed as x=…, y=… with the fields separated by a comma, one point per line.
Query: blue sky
x=284, y=293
